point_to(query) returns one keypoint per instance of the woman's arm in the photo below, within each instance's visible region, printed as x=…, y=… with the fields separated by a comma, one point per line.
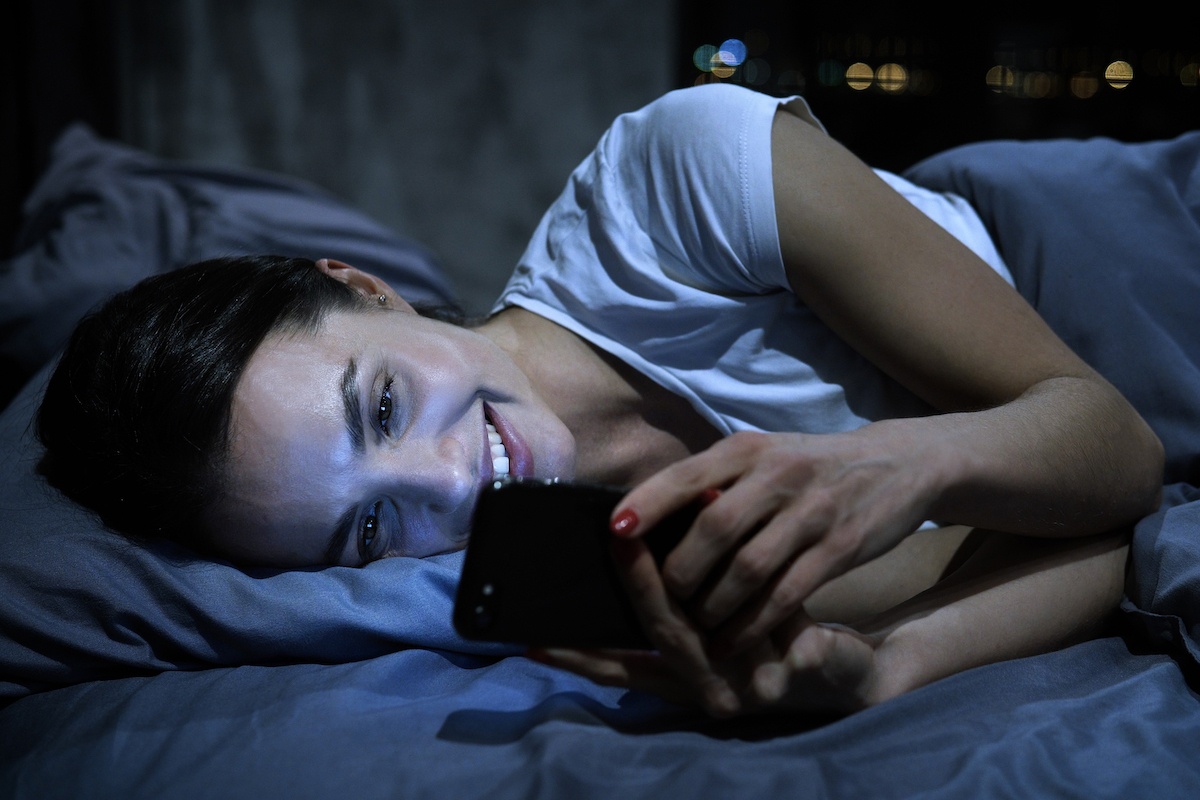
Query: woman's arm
x=1032, y=440
x=1013, y=597
x=1046, y=428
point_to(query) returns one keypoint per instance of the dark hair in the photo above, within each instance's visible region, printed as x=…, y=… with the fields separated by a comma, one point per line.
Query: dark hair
x=136, y=416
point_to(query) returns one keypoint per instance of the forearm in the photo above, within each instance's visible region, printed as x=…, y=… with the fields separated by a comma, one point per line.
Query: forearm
x=1069, y=457
x=1014, y=597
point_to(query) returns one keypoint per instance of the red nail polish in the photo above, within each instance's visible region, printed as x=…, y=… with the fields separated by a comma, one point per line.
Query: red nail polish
x=709, y=495
x=625, y=523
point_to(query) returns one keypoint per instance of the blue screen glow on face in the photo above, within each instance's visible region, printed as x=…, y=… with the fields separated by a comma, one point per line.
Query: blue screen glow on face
x=373, y=438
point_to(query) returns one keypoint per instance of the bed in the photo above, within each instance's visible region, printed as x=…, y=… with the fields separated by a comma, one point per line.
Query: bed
x=138, y=672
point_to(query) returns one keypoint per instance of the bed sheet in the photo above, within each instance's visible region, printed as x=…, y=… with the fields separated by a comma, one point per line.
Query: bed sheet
x=1092, y=721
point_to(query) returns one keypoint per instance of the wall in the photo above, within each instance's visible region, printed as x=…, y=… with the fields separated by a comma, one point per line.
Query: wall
x=454, y=122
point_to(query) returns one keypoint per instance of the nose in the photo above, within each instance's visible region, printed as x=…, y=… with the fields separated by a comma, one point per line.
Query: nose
x=435, y=474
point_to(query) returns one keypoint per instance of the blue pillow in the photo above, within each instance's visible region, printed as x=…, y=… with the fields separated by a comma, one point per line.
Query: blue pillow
x=77, y=601
x=104, y=216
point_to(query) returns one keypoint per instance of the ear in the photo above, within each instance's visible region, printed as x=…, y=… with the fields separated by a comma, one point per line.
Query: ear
x=364, y=283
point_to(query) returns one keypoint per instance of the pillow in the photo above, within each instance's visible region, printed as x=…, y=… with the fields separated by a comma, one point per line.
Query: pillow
x=77, y=601
x=104, y=216
x=1102, y=239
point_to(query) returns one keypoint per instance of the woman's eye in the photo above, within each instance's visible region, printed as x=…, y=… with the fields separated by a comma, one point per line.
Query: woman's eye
x=370, y=532
x=385, y=406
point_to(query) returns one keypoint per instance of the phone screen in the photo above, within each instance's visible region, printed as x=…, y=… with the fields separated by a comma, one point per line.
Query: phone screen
x=538, y=570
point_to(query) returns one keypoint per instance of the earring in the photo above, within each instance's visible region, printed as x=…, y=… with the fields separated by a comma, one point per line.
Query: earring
x=383, y=299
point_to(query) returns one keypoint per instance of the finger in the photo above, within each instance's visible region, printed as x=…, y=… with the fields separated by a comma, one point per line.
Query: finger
x=783, y=597
x=758, y=674
x=628, y=669
x=677, y=485
x=758, y=561
x=670, y=631
x=715, y=533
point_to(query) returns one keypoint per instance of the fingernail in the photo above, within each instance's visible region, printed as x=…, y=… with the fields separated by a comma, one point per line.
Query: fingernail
x=624, y=551
x=625, y=523
x=709, y=495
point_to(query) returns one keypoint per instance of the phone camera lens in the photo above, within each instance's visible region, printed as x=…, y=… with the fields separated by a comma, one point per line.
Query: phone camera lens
x=483, y=617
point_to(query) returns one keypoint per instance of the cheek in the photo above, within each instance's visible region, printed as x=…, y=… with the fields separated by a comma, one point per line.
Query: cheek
x=558, y=457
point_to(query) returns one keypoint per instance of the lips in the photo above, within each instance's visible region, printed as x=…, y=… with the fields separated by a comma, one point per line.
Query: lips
x=520, y=458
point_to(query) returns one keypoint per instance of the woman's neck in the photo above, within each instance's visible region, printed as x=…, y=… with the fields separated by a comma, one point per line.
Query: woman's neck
x=626, y=426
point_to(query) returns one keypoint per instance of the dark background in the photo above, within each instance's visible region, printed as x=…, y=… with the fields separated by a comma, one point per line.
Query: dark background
x=955, y=50
x=140, y=71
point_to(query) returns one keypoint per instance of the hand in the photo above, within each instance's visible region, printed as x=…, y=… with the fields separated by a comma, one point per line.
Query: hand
x=802, y=666
x=796, y=510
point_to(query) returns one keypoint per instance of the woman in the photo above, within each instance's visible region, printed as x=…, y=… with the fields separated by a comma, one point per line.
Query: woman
x=723, y=302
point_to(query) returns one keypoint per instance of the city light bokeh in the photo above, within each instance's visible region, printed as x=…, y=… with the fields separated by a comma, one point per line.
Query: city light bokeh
x=899, y=65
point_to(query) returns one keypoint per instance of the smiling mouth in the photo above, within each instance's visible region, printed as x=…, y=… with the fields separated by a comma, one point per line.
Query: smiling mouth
x=499, y=453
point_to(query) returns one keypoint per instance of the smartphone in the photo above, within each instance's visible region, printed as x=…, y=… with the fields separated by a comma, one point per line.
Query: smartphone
x=538, y=569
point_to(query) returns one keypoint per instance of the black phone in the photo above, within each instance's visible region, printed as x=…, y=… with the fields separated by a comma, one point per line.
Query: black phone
x=538, y=569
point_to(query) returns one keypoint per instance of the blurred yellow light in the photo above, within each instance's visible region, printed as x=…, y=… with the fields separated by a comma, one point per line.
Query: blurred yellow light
x=1037, y=85
x=859, y=76
x=892, y=78
x=1084, y=85
x=999, y=79
x=1188, y=75
x=719, y=67
x=1118, y=74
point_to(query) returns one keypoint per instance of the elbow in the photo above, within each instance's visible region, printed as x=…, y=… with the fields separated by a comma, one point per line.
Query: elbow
x=1148, y=478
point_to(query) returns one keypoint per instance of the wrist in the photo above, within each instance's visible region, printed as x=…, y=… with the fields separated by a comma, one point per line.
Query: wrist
x=896, y=668
x=937, y=466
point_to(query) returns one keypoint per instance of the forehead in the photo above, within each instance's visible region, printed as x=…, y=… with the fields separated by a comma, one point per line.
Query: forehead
x=289, y=453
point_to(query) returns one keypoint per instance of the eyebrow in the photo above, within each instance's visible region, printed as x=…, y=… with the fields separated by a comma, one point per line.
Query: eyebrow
x=352, y=406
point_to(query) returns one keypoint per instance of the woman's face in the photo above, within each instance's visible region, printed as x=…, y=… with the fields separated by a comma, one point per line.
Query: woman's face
x=368, y=440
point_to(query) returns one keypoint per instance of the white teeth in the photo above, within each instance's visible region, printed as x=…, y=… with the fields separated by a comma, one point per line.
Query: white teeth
x=499, y=454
